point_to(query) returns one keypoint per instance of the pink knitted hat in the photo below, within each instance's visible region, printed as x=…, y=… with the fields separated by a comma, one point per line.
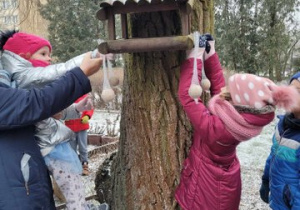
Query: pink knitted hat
x=257, y=92
x=25, y=45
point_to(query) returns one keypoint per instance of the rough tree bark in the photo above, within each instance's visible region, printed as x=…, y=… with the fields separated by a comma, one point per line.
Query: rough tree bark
x=155, y=133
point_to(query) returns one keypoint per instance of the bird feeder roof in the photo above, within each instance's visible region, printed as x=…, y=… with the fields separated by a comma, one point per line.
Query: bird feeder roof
x=135, y=6
x=110, y=8
x=111, y=3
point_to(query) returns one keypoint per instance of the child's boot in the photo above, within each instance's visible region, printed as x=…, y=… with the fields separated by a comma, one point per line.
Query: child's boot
x=85, y=169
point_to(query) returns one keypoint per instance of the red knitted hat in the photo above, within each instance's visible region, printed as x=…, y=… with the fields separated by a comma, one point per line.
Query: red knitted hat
x=25, y=45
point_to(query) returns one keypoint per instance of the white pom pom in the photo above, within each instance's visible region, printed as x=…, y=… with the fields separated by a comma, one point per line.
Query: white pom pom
x=114, y=81
x=195, y=91
x=205, y=84
x=108, y=95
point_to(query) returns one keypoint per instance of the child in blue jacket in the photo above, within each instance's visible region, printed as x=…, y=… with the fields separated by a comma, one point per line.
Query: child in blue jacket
x=281, y=178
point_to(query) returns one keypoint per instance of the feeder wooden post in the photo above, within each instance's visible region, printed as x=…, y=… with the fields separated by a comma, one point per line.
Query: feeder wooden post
x=111, y=25
x=151, y=44
x=124, y=26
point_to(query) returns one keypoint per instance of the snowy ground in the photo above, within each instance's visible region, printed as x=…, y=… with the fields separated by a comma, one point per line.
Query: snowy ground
x=104, y=122
x=109, y=122
x=252, y=155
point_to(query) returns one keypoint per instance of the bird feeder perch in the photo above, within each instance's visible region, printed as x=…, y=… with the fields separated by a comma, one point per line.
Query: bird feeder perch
x=110, y=8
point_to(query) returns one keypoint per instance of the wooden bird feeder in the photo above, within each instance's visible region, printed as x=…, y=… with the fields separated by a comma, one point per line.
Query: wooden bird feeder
x=110, y=8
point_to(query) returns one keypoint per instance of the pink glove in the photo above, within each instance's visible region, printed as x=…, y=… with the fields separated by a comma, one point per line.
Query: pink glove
x=85, y=104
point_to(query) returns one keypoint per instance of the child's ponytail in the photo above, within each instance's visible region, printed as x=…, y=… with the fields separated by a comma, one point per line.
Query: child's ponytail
x=4, y=36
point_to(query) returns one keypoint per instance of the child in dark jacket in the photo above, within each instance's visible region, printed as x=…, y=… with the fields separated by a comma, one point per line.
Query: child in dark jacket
x=26, y=51
x=280, y=181
x=210, y=178
x=24, y=178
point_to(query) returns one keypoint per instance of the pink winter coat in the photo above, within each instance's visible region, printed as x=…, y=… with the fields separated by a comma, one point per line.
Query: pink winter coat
x=210, y=178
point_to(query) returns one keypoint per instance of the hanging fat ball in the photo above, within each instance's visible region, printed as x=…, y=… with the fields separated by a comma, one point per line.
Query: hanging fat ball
x=205, y=84
x=114, y=81
x=108, y=95
x=195, y=91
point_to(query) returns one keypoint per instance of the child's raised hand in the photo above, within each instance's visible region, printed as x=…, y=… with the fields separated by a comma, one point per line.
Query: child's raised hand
x=89, y=65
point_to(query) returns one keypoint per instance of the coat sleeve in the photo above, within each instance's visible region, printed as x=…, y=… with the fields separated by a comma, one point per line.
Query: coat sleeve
x=214, y=73
x=70, y=113
x=267, y=168
x=200, y=117
x=20, y=107
x=28, y=76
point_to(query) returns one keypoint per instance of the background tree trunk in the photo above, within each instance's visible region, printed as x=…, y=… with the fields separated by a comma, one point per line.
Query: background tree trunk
x=155, y=133
x=30, y=18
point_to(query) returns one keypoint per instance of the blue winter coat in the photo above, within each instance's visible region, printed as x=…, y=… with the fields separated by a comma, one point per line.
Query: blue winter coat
x=282, y=168
x=19, y=110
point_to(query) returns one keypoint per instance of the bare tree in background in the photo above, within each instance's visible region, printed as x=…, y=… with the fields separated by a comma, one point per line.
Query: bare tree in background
x=24, y=16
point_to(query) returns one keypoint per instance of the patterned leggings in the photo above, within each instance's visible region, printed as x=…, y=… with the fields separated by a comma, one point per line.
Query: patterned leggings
x=70, y=185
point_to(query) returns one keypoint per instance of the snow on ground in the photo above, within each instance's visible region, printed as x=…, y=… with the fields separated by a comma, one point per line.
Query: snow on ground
x=252, y=155
x=104, y=122
x=105, y=119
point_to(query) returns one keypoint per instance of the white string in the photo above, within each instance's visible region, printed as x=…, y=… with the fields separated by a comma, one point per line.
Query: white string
x=110, y=70
x=106, y=84
x=195, y=79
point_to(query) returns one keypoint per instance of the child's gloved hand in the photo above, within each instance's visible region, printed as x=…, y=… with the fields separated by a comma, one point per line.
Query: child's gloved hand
x=264, y=191
x=85, y=104
x=204, y=41
x=85, y=119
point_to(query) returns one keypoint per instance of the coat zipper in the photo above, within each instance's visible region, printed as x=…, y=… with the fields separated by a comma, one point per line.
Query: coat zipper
x=25, y=170
x=27, y=188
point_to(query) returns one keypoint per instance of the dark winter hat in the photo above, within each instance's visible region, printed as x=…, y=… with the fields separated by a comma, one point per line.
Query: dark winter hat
x=295, y=76
x=25, y=45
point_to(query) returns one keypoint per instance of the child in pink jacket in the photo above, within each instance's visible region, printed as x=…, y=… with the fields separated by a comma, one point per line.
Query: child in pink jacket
x=210, y=178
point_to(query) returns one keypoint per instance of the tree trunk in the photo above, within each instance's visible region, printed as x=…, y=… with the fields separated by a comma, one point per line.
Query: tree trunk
x=155, y=132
